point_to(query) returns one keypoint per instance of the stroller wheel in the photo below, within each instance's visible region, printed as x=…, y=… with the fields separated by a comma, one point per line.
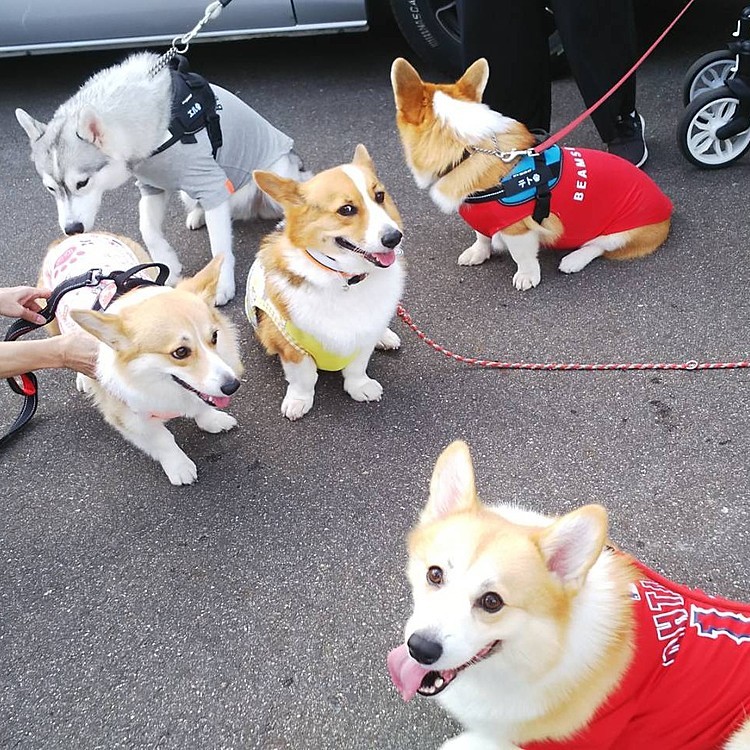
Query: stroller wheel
x=707, y=73
x=696, y=133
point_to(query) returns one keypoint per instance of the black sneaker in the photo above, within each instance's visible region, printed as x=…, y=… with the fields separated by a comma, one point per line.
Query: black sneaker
x=630, y=141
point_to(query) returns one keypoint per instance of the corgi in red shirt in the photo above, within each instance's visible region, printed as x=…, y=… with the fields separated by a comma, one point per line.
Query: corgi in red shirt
x=534, y=633
x=600, y=204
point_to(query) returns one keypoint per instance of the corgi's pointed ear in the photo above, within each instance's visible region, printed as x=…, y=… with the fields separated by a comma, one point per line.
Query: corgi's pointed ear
x=282, y=189
x=90, y=127
x=573, y=543
x=472, y=83
x=408, y=89
x=204, y=283
x=106, y=327
x=34, y=129
x=362, y=157
x=452, y=488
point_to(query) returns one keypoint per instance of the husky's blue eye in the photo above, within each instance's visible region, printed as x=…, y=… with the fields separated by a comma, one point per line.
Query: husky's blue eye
x=435, y=575
x=491, y=602
x=379, y=197
x=347, y=210
x=82, y=184
x=182, y=352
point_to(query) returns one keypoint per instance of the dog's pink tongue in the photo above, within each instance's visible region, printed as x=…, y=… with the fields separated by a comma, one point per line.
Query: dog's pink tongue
x=221, y=402
x=387, y=259
x=407, y=674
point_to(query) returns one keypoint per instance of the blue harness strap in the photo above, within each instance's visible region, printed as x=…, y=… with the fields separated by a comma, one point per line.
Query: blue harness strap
x=533, y=178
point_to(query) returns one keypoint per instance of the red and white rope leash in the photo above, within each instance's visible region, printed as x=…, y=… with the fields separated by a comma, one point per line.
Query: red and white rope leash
x=565, y=366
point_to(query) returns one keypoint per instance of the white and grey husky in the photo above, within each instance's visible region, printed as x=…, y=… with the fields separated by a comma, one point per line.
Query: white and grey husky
x=112, y=129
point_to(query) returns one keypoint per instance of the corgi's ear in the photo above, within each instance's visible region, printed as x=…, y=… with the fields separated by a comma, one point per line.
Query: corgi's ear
x=408, y=89
x=90, y=127
x=204, y=283
x=34, y=129
x=573, y=543
x=283, y=190
x=106, y=327
x=472, y=83
x=452, y=488
x=362, y=158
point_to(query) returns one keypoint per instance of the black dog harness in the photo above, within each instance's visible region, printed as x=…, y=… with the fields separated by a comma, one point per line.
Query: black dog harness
x=194, y=107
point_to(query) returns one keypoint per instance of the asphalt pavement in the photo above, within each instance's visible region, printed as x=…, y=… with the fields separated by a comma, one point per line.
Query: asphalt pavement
x=255, y=608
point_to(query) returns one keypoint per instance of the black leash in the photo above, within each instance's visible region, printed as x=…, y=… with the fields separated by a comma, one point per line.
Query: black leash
x=124, y=281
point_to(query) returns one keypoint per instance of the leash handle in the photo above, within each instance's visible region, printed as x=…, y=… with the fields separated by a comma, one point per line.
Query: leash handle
x=578, y=120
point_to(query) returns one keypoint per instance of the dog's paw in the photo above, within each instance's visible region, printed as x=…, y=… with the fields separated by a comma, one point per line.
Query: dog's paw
x=524, y=280
x=575, y=262
x=82, y=383
x=475, y=254
x=363, y=389
x=215, y=421
x=293, y=407
x=389, y=340
x=224, y=292
x=195, y=218
x=180, y=469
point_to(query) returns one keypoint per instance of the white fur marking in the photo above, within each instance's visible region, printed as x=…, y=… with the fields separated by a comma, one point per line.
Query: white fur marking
x=472, y=121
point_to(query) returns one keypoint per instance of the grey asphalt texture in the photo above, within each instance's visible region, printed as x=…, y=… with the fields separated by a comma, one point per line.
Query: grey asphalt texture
x=255, y=608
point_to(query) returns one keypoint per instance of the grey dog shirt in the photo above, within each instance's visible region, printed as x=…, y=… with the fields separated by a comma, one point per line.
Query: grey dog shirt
x=249, y=142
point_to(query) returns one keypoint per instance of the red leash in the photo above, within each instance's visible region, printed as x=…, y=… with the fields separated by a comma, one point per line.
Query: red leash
x=566, y=366
x=573, y=125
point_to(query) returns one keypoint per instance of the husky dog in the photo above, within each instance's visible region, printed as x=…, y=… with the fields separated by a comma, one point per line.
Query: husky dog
x=121, y=122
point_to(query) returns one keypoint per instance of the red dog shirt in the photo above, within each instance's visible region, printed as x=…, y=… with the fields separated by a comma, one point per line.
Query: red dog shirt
x=688, y=687
x=597, y=194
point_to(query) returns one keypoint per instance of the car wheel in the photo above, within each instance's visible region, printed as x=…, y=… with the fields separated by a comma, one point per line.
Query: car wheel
x=432, y=30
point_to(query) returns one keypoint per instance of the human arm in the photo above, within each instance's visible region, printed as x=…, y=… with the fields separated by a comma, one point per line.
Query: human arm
x=75, y=351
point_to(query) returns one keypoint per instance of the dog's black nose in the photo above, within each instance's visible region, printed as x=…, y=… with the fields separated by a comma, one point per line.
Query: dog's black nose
x=75, y=227
x=230, y=386
x=391, y=238
x=423, y=649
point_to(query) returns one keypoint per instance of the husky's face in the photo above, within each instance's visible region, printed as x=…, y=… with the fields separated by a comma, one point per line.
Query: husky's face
x=73, y=169
x=489, y=593
x=344, y=213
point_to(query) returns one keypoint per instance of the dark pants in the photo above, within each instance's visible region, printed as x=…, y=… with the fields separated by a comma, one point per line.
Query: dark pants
x=600, y=45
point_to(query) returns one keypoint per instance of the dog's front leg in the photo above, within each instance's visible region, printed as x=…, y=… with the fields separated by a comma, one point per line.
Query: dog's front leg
x=356, y=381
x=153, y=438
x=302, y=377
x=213, y=420
x=524, y=248
x=476, y=253
x=219, y=225
x=473, y=741
x=151, y=211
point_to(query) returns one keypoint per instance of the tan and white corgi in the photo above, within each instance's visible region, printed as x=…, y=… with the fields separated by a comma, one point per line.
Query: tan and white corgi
x=165, y=352
x=480, y=163
x=326, y=284
x=534, y=632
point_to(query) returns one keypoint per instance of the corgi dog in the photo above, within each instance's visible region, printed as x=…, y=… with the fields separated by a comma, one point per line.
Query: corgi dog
x=164, y=352
x=326, y=283
x=483, y=165
x=534, y=632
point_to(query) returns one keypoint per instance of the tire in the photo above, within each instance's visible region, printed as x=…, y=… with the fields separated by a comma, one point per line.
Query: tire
x=432, y=30
x=695, y=133
x=707, y=73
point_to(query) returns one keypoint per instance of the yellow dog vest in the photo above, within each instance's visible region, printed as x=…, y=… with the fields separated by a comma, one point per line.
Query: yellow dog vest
x=304, y=342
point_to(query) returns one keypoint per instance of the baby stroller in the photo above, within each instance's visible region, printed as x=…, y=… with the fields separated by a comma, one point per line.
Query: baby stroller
x=715, y=127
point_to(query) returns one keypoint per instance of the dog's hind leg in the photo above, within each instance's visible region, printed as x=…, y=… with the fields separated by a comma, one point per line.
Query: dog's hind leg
x=196, y=217
x=640, y=241
x=740, y=740
x=151, y=210
x=472, y=741
x=579, y=259
x=219, y=224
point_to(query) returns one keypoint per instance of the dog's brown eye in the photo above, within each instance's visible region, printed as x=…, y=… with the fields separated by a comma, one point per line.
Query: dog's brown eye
x=379, y=196
x=347, y=210
x=435, y=575
x=181, y=352
x=82, y=184
x=214, y=337
x=491, y=602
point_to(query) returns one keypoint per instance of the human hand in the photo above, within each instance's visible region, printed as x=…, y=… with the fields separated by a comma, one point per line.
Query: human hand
x=20, y=302
x=79, y=352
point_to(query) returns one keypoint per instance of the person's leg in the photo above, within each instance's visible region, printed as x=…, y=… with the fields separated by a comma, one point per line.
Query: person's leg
x=600, y=44
x=512, y=35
